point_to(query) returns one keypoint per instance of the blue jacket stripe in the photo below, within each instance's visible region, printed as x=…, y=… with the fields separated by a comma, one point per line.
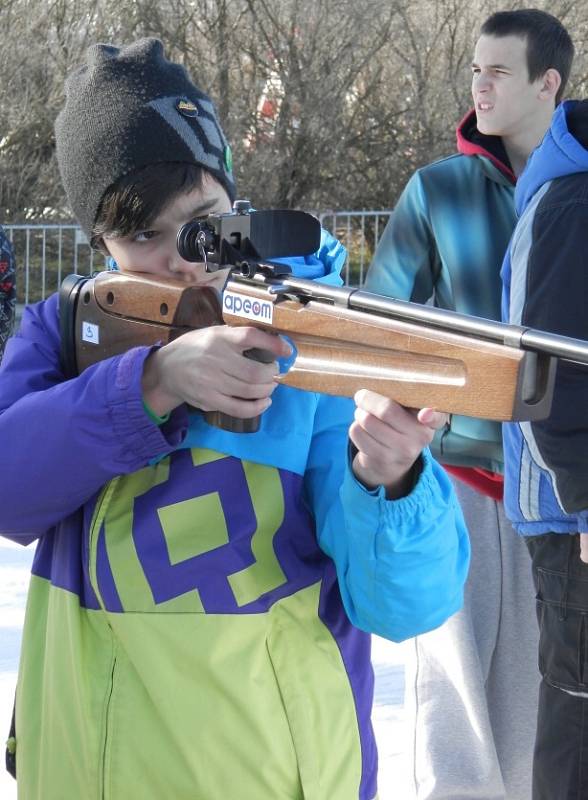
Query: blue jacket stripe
x=520, y=248
x=530, y=483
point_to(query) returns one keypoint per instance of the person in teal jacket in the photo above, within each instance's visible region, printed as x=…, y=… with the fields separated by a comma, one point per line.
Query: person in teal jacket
x=472, y=685
x=201, y=601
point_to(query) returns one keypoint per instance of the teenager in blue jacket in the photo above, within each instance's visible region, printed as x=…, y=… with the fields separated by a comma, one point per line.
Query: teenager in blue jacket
x=201, y=601
x=546, y=481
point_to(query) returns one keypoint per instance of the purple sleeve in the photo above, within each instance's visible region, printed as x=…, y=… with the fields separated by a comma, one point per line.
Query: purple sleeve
x=62, y=440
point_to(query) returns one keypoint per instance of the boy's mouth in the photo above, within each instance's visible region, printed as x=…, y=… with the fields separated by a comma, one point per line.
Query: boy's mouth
x=483, y=105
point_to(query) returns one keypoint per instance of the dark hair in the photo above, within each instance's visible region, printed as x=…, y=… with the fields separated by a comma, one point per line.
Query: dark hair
x=549, y=45
x=133, y=202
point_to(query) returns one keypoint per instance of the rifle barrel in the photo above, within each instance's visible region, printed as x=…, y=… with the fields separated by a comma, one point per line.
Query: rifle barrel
x=551, y=344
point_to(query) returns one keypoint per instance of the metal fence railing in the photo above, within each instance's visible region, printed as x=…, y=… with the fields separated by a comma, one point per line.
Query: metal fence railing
x=360, y=232
x=45, y=254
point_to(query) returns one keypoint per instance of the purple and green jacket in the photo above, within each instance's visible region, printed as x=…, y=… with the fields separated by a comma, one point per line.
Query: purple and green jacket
x=200, y=605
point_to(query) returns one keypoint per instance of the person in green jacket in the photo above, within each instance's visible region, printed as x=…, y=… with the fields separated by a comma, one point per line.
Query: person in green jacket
x=472, y=685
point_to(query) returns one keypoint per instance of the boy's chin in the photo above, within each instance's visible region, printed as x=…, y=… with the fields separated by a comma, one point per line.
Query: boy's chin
x=487, y=128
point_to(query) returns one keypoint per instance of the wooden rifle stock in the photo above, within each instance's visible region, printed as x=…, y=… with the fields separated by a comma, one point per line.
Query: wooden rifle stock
x=344, y=340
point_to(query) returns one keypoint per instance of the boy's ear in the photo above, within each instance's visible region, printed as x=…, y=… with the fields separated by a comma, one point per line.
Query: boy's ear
x=100, y=245
x=550, y=83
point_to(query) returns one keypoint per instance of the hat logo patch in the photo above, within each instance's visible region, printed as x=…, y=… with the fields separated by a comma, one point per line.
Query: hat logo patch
x=228, y=158
x=187, y=107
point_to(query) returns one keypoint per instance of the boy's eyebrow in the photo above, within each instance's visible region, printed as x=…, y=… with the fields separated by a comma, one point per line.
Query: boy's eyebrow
x=492, y=66
x=203, y=209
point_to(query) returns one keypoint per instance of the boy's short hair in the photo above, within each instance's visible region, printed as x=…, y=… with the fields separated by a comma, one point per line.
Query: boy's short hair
x=549, y=45
x=137, y=199
x=129, y=108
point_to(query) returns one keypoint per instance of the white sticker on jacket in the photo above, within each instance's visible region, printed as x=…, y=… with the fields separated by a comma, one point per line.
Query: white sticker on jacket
x=241, y=305
x=90, y=333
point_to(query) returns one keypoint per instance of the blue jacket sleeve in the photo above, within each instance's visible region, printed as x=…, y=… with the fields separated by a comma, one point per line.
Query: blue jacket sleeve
x=406, y=262
x=65, y=439
x=401, y=564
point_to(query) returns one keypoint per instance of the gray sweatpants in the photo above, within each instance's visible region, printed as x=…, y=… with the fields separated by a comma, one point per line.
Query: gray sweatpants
x=472, y=685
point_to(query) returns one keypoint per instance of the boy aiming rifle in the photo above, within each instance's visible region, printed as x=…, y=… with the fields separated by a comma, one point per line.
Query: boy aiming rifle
x=200, y=606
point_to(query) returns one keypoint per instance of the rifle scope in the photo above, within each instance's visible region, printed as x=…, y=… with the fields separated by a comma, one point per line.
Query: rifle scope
x=227, y=239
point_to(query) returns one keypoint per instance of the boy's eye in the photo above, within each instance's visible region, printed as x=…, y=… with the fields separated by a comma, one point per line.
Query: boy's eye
x=144, y=236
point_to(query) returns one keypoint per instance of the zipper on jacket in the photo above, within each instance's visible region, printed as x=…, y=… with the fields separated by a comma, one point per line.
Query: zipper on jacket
x=94, y=532
x=107, y=727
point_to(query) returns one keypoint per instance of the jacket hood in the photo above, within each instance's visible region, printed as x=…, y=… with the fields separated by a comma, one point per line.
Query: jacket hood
x=470, y=142
x=563, y=151
x=324, y=266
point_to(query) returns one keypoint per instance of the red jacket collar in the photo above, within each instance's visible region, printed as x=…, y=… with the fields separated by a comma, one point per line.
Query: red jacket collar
x=470, y=142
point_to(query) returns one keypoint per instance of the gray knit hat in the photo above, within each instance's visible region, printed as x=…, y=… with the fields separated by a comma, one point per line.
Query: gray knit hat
x=126, y=108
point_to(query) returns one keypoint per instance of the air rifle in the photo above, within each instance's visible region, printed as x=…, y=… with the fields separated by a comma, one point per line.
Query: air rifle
x=343, y=339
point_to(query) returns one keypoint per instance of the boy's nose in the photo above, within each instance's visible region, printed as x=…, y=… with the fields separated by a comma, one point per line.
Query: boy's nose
x=179, y=266
x=482, y=83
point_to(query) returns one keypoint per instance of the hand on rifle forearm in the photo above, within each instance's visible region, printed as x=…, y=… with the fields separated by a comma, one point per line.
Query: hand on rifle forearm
x=389, y=439
x=207, y=369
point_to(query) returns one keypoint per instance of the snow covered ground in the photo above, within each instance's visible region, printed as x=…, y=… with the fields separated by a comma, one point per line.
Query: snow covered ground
x=388, y=658
x=14, y=579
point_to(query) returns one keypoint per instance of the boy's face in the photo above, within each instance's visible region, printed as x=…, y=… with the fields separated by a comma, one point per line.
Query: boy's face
x=506, y=102
x=154, y=251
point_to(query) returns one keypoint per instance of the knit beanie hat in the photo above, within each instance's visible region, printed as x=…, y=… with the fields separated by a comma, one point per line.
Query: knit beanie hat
x=126, y=108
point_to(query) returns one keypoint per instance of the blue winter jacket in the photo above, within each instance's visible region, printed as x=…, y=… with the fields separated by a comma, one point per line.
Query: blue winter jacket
x=546, y=287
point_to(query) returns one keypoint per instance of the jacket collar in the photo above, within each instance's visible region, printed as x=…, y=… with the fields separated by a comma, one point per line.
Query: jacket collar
x=470, y=142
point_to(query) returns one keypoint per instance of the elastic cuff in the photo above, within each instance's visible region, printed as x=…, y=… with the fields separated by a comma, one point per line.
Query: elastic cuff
x=157, y=420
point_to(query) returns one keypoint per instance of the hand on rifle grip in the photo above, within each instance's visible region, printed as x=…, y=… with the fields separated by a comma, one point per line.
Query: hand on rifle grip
x=235, y=424
x=257, y=354
x=205, y=369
